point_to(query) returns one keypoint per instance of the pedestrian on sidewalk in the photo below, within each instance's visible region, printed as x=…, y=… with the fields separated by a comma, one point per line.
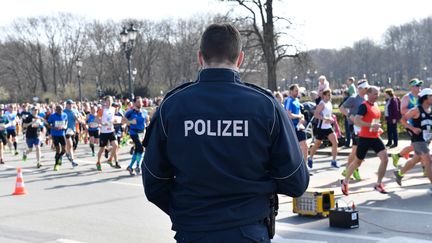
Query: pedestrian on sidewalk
x=392, y=115
x=368, y=119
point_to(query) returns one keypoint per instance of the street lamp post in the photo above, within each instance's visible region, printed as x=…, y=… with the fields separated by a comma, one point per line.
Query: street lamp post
x=79, y=64
x=127, y=38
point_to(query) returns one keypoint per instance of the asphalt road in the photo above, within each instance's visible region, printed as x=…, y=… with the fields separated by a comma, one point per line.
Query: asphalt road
x=82, y=205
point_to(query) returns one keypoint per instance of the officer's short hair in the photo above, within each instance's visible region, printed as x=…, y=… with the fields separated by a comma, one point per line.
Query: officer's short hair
x=220, y=43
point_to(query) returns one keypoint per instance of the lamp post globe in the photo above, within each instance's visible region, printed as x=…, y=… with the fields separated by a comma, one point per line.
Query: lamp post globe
x=79, y=64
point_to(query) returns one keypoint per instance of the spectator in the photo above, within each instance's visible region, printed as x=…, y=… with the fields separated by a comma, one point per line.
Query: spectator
x=323, y=84
x=351, y=86
x=392, y=115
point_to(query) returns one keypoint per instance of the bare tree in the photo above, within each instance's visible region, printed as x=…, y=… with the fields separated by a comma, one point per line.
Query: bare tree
x=263, y=27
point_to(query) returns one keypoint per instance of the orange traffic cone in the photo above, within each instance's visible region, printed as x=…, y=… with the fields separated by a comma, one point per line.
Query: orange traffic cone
x=19, y=186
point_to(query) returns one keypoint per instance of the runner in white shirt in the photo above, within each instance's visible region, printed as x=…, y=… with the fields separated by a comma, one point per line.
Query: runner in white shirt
x=107, y=134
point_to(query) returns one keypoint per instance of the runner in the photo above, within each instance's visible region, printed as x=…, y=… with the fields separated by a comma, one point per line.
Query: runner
x=136, y=118
x=107, y=135
x=11, y=114
x=33, y=125
x=368, y=119
x=93, y=128
x=323, y=113
x=408, y=102
x=3, y=134
x=350, y=108
x=293, y=107
x=421, y=130
x=118, y=130
x=57, y=122
x=73, y=118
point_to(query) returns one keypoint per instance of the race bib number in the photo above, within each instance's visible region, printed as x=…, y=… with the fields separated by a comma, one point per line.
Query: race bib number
x=356, y=130
x=141, y=136
x=60, y=124
x=94, y=125
x=427, y=135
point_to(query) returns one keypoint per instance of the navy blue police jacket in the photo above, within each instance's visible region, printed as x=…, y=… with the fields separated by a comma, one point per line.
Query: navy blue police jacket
x=216, y=149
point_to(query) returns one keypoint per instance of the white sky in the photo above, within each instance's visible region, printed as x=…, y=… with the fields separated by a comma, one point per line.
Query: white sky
x=318, y=23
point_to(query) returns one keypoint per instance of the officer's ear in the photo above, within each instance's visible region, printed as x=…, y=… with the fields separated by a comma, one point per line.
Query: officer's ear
x=200, y=59
x=240, y=59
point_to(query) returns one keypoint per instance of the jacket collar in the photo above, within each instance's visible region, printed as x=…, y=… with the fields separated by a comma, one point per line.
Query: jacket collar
x=218, y=75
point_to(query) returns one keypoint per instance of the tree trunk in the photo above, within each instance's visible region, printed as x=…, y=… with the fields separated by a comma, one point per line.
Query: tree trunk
x=41, y=68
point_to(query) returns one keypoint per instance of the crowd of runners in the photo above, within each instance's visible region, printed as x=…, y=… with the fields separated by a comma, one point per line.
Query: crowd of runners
x=363, y=126
x=104, y=125
x=109, y=123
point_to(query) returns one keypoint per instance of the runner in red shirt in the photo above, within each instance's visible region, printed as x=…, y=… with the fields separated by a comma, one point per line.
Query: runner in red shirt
x=368, y=118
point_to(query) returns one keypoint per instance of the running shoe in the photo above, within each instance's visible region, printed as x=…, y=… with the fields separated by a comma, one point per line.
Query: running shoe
x=131, y=172
x=98, y=166
x=56, y=167
x=334, y=164
x=69, y=157
x=344, y=187
x=106, y=153
x=2, y=162
x=398, y=177
x=38, y=165
x=110, y=163
x=395, y=158
x=380, y=188
x=310, y=163
x=24, y=158
x=117, y=165
x=93, y=154
x=137, y=170
x=344, y=172
x=16, y=152
x=356, y=175
x=74, y=164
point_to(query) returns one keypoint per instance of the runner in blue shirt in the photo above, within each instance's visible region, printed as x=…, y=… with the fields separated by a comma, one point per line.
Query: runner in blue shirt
x=136, y=118
x=11, y=114
x=293, y=107
x=3, y=140
x=73, y=117
x=57, y=122
x=93, y=128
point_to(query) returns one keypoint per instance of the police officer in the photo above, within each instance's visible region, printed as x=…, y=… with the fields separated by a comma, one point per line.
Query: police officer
x=217, y=149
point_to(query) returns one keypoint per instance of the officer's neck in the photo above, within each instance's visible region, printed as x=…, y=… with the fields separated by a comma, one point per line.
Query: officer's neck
x=220, y=65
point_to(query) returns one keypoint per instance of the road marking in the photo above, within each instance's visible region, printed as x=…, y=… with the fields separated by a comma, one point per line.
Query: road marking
x=24, y=169
x=396, y=210
x=121, y=183
x=288, y=227
x=68, y=241
x=403, y=240
x=126, y=184
x=279, y=239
